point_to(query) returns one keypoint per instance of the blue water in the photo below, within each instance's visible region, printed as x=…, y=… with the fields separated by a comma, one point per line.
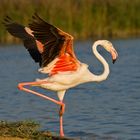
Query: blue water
x=109, y=110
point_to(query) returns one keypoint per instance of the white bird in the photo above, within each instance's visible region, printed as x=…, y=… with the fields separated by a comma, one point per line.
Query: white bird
x=53, y=50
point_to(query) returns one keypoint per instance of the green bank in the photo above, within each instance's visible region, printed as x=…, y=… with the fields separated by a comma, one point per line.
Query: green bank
x=25, y=130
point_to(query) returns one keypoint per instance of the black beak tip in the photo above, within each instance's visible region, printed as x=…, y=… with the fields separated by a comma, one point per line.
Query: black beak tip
x=113, y=61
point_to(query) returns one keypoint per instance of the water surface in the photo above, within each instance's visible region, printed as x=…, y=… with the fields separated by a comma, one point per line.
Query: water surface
x=109, y=110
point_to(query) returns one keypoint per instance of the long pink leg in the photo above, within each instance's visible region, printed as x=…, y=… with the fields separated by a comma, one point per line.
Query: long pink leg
x=61, y=112
x=62, y=105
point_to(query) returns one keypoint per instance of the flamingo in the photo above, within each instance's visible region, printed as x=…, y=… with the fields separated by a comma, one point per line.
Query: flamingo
x=53, y=49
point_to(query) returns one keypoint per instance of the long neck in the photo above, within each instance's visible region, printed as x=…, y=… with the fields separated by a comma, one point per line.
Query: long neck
x=105, y=73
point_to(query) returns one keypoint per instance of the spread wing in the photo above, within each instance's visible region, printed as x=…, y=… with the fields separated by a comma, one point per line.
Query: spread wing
x=55, y=41
x=45, y=43
x=29, y=41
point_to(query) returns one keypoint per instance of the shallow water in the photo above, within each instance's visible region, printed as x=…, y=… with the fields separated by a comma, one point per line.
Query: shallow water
x=109, y=110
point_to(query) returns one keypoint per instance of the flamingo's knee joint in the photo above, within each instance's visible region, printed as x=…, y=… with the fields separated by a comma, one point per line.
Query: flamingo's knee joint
x=62, y=110
x=20, y=86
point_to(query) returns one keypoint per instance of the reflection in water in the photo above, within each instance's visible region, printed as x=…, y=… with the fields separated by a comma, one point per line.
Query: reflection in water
x=108, y=111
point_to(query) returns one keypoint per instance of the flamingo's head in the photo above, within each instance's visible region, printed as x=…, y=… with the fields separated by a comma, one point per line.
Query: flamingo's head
x=109, y=47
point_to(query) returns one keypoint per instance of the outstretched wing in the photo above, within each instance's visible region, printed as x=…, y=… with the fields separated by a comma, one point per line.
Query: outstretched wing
x=55, y=41
x=19, y=31
x=46, y=43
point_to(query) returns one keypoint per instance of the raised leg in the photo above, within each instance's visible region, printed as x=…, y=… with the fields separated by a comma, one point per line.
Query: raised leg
x=62, y=105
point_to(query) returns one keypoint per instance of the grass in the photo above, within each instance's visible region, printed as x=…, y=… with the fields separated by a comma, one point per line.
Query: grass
x=83, y=19
x=24, y=130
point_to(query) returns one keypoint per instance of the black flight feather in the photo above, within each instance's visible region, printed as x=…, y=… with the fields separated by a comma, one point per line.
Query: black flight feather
x=19, y=31
x=49, y=36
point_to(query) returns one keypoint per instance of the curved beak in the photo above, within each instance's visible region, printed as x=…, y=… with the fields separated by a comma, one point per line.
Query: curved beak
x=114, y=55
